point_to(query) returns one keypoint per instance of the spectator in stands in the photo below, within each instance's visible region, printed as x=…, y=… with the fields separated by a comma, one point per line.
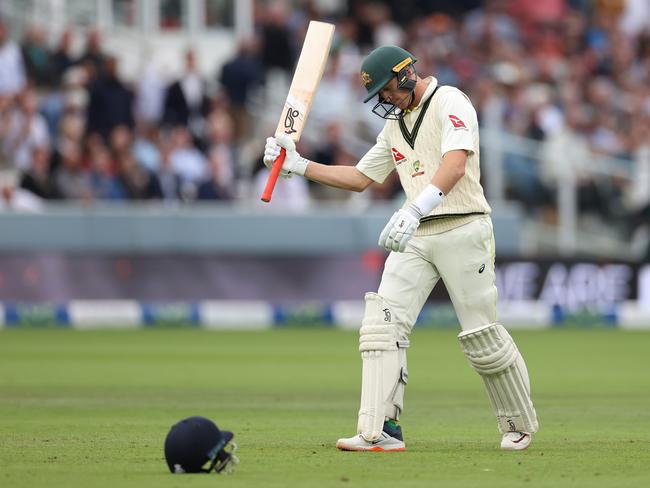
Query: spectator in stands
x=139, y=183
x=330, y=144
x=212, y=188
x=171, y=184
x=565, y=156
x=239, y=77
x=75, y=94
x=336, y=93
x=637, y=191
x=6, y=107
x=484, y=26
x=635, y=17
x=150, y=96
x=145, y=148
x=120, y=140
x=27, y=129
x=278, y=47
x=62, y=58
x=384, y=29
x=136, y=181
x=110, y=102
x=71, y=178
x=329, y=152
x=38, y=178
x=13, y=197
x=69, y=98
x=103, y=180
x=364, y=36
x=12, y=68
x=37, y=57
x=346, y=47
x=220, y=127
x=71, y=131
x=187, y=161
x=93, y=58
x=186, y=101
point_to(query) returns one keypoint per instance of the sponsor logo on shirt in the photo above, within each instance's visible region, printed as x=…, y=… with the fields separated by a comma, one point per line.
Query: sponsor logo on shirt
x=398, y=157
x=458, y=124
x=417, y=169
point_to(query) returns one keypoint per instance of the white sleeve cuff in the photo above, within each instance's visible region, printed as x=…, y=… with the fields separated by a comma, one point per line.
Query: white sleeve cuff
x=427, y=200
x=300, y=166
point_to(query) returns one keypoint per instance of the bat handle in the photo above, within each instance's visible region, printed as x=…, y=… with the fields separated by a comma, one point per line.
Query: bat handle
x=273, y=176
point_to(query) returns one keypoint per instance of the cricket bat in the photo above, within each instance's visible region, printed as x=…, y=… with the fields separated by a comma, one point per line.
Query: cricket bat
x=306, y=78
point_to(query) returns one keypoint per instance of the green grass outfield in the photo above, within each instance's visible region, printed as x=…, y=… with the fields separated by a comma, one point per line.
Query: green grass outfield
x=86, y=409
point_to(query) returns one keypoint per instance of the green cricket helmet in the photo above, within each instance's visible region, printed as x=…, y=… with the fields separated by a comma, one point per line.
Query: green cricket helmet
x=379, y=67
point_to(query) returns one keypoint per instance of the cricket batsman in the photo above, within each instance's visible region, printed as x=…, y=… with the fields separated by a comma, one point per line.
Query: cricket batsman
x=443, y=230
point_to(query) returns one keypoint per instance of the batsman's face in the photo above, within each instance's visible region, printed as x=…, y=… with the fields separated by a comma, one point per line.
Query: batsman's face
x=396, y=96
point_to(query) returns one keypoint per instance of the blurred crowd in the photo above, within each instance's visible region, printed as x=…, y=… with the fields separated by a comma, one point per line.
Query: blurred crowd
x=573, y=75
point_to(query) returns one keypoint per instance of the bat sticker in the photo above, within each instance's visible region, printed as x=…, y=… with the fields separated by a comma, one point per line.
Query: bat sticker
x=289, y=120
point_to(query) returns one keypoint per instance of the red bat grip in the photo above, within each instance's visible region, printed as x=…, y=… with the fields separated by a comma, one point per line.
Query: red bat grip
x=273, y=176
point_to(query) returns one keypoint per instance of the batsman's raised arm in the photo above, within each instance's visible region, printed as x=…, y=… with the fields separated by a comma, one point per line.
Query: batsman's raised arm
x=350, y=177
x=344, y=177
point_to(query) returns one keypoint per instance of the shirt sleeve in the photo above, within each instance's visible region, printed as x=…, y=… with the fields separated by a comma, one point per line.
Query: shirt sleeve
x=377, y=163
x=459, y=122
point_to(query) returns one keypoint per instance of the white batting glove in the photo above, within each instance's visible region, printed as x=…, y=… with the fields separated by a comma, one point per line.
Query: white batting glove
x=404, y=222
x=293, y=162
x=399, y=230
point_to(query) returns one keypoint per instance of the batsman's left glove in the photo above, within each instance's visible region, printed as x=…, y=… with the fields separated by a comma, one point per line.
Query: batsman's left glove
x=399, y=230
x=404, y=222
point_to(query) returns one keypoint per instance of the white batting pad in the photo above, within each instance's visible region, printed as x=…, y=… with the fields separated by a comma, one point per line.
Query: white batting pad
x=384, y=371
x=494, y=355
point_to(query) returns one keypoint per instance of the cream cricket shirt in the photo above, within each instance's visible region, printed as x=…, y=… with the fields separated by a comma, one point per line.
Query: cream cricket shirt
x=414, y=146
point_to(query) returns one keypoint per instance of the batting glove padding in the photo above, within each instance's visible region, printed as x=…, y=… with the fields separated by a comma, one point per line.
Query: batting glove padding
x=399, y=230
x=293, y=162
x=404, y=222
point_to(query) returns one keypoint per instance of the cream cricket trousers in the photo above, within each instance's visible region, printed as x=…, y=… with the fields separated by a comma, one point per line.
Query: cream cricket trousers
x=463, y=257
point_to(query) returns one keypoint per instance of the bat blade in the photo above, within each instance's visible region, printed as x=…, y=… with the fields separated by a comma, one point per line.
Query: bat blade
x=309, y=71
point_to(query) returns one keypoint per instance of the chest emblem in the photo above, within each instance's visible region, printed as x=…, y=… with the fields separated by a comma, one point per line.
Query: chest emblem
x=398, y=157
x=417, y=169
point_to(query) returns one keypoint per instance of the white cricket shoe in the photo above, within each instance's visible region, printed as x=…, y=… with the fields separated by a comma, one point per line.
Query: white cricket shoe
x=516, y=441
x=385, y=443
